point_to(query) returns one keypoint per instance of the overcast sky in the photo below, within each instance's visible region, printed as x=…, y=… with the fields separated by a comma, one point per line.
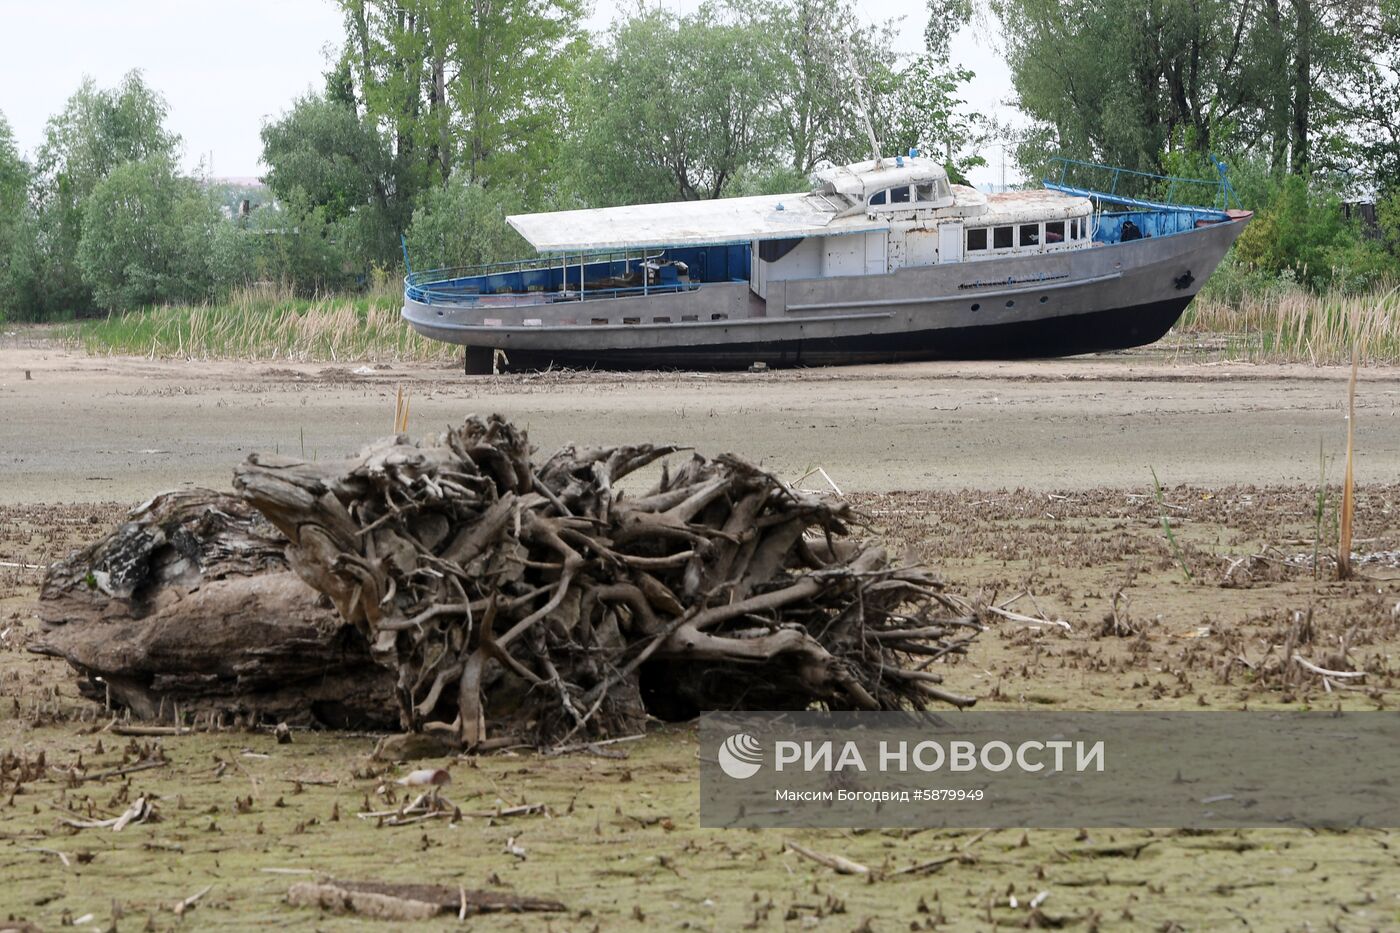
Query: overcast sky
x=226, y=66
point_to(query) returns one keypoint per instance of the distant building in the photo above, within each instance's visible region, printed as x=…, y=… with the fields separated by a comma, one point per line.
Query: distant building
x=1363, y=211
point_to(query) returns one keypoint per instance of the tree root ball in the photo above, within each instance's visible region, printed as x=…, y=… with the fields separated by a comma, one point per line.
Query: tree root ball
x=500, y=598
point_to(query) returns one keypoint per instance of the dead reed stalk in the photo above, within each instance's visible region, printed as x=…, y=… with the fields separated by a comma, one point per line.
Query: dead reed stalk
x=1348, y=484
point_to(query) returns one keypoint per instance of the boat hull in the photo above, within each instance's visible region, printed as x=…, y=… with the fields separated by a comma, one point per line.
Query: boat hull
x=1092, y=332
x=1109, y=297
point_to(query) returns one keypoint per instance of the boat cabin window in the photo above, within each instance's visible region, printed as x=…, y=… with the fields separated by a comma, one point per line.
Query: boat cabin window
x=933, y=192
x=930, y=192
x=1051, y=233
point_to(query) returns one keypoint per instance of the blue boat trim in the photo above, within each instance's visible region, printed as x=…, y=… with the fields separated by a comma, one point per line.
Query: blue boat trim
x=560, y=278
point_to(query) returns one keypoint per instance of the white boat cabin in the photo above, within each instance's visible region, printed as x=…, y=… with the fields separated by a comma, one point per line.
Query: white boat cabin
x=870, y=218
x=913, y=216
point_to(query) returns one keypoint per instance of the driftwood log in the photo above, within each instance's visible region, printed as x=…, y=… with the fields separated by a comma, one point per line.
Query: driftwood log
x=457, y=587
x=189, y=608
x=385, y=901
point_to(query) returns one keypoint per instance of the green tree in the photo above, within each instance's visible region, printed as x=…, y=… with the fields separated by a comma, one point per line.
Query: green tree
x=807, y=48
x=320, y=154
x=1129, y=82
x=464, y=224
x=469, y=87
x=672, y=108
x=146, y=235
x=97, y=131
x=1372, y=105
x=321, y=148
x=928, y=112
x=15, y=227
x=1093, y=73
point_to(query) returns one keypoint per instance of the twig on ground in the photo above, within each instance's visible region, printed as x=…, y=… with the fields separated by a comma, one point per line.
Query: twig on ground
x=837, y=863
x=190, y=901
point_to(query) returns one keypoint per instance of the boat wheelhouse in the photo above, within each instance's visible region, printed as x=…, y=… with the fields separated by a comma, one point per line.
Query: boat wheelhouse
x=883, y=260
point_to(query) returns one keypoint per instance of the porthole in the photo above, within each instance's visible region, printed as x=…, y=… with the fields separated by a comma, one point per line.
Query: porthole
x=976, y=307
x=1011, y=304
x=1044, y=298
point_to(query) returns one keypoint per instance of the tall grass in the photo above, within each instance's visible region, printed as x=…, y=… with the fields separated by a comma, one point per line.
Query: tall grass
x=1295, y=325
x=268, y=322
x=1166, y=523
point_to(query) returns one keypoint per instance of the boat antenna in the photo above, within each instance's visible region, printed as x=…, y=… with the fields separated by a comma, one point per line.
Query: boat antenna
x=862, y=106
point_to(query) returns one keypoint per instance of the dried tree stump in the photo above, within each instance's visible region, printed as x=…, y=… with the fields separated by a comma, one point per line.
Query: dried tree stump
x=190, y=607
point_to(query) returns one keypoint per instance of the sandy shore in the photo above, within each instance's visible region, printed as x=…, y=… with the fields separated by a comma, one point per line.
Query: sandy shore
x=621, y=845
x=84, y=428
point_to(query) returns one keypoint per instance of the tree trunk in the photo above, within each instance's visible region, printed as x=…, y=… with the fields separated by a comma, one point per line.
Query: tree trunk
x=191, y=606
x=1302, y=85
x=1278, y=110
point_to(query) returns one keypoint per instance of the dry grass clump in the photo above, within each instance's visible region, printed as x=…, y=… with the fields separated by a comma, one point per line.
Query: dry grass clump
x=1299, y=326
x=268, y=322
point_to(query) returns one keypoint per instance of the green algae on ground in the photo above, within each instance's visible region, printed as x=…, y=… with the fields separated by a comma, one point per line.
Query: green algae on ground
x=621, y=847
x=620, y=842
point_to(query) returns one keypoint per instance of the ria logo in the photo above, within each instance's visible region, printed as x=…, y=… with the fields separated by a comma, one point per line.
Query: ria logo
x=740, y=756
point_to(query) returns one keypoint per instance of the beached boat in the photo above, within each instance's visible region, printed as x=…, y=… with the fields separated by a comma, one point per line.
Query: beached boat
x=882, y=260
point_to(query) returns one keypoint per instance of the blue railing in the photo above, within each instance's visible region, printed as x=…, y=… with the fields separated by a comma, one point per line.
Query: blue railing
x=1144, y=189
x=593, y=275
x=453, y=283
x=449, y=283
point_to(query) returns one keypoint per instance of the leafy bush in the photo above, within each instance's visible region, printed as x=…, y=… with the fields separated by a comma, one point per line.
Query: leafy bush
x=1299, y=232
x=146, y=234
x=464, y=224
x=304, y=249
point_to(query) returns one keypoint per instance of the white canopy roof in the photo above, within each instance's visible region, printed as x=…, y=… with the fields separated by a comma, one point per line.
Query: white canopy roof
x=689, y=223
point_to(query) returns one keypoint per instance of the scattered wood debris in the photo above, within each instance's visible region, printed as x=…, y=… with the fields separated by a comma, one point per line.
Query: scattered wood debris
x=140, y=811
x=837, y=863
x=188, y=611
x=384, y=901
x=182, y=907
